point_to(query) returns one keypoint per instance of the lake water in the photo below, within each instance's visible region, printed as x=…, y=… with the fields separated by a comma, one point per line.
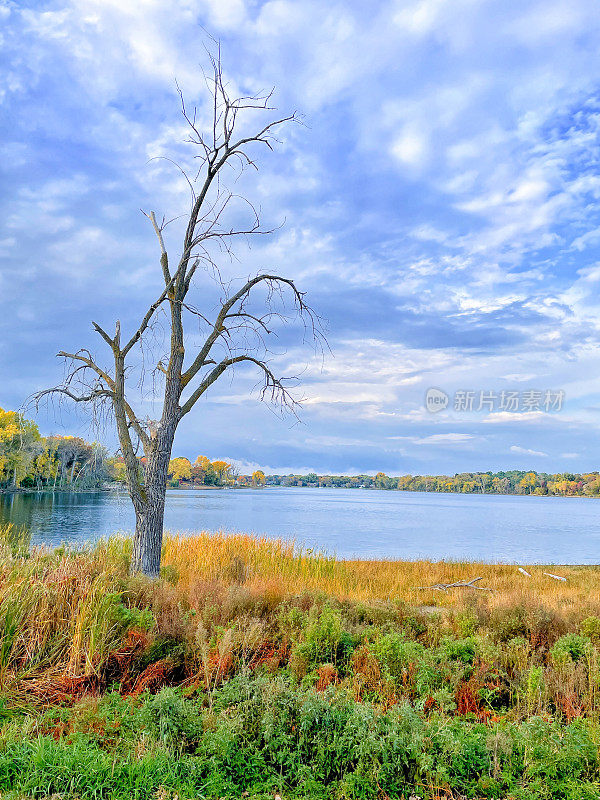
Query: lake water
x=347, y=522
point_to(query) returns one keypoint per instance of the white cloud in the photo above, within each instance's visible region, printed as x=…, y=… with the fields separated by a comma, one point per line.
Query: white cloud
x=515, y=448
x=520, y=377
x=410, y=148
x=7, y=245
x=446, y=439
x=499, y=417
x=586, y=239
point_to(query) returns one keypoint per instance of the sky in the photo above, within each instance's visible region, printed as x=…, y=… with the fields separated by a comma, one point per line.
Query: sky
x=440, y=205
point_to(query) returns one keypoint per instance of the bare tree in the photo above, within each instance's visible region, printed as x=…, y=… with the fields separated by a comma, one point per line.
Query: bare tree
x=236, y=334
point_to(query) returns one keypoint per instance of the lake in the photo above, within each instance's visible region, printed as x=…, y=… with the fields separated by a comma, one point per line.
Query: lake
x=347, y=522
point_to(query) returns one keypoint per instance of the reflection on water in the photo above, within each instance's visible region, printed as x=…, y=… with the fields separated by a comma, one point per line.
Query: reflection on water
x=56, y=517
x=349, y=522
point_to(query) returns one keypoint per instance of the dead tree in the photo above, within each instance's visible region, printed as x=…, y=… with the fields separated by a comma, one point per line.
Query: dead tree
x=235, y=334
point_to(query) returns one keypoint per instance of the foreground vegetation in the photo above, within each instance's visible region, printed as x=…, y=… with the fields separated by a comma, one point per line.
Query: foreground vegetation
x=251, y=667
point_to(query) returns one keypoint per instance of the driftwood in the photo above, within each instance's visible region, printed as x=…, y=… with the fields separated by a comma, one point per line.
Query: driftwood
x=443, y=587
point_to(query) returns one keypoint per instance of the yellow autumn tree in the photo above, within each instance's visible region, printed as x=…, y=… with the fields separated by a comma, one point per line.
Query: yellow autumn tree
x=18, y=446
x=528, y=483
x=116, y=468
x=202, y=471
x=258, y=477
x=203, y=463
x=222, y=470
x=381, y=480
x=46, y=464
x=180, y=469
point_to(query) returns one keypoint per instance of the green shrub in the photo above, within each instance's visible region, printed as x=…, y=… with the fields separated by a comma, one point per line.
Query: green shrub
x=467, y=622
x=324, y=640
x=533, y=686
x=508, y=623
x=458, y=649
x=173, y=720
x=130, y=617
x=569, y=647
x=590, y=629
x=396, y=654
x=264, y=734
x=516, y=653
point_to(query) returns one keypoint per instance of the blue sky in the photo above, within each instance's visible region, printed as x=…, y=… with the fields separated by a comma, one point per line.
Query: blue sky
x=441, y=208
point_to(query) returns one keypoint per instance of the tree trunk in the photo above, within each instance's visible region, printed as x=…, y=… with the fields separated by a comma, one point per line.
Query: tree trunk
x=150, y=509
x=147, y=541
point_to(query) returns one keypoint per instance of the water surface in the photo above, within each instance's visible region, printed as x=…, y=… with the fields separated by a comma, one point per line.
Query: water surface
x=348, y=522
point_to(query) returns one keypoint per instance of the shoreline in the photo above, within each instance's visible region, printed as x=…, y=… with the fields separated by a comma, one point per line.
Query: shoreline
x=310, y=554
x=123, y=489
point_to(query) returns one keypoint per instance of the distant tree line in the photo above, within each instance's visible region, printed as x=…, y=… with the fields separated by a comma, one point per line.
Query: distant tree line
x=505, y=482
x=31, y=461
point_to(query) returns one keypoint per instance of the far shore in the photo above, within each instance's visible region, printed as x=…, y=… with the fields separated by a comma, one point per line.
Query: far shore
x=194, y=488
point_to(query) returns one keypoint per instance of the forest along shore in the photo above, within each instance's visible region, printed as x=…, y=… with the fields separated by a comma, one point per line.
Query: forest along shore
x=31, y=461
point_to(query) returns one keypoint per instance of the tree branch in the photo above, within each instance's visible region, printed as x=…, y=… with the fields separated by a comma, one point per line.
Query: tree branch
x=110, y=342
x=149, y=314
x=219, y=327
x=272, y=383
x=164, y=258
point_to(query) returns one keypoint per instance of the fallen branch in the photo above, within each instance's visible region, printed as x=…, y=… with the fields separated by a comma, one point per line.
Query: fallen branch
x=443, y=587
x=556, y=577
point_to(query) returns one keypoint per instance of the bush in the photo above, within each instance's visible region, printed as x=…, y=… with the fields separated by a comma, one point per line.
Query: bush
x=396, y=655
x=173, y=720
x=590, y=628
x=509, y=623
x=458, y=649
x=323, y=641
x=569, y=647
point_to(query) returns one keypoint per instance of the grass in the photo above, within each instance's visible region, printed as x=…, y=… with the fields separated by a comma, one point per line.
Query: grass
x=261, y=561
x=252, y=667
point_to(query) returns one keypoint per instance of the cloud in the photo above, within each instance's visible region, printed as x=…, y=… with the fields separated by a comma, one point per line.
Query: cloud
x=515, y=417
x=442, y=208
x=411, y=148
x=446, y=439
x=526, y=452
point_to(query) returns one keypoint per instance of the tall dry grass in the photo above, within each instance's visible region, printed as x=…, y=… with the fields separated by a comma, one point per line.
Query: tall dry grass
x=257, y=561
x=63, y=612
x=57, y=607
